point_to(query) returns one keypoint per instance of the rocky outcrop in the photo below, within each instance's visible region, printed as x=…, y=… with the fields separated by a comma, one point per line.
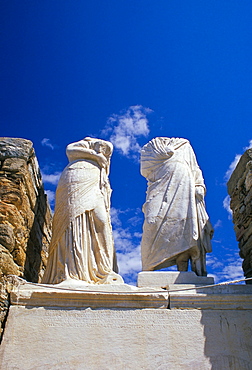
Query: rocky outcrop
x=240, y=191
x=25, y=216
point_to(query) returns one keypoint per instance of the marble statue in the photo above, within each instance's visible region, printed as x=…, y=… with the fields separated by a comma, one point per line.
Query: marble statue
x=176, y=227
x=82, y=245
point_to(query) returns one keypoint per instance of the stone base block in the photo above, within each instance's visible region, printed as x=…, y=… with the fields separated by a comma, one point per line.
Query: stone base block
x=192, y=300
x=94, y=296
x=164, y=279
x=57, y=338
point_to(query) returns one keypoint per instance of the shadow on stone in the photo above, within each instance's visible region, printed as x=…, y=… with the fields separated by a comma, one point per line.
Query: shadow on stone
x=227, y=338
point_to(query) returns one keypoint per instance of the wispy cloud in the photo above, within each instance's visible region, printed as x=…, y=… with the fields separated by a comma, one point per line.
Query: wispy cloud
x=50, y=196
x=47, y=142
x=226, y=206
x=128, y=254
x=218, y=224
x=233, y=164
x=130, y=264
x=213, y=262
x=228, y=268
x=226, y=201
x=125, y=128
x=233, y=271
x=127, y=244
x=114, y=214
x=52, y=178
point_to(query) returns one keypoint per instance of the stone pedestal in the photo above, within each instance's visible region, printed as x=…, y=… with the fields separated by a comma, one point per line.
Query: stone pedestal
x=93, y=296
x=167, y=279
x=240, y=191
x=126, y=327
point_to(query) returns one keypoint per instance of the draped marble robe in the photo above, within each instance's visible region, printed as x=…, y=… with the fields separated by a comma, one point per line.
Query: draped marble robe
x=175, y=218
x=82, y=245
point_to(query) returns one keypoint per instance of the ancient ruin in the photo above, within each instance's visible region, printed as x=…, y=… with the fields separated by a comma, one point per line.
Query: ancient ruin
x=240, y=191
x=171, y=319
x=25, y=216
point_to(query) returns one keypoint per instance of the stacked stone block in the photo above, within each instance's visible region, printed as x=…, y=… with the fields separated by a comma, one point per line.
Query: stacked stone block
x=240, y=191
x=25, y=216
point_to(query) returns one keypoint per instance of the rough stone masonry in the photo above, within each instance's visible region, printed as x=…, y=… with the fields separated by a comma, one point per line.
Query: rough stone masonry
x=25, y=216
x=240, y=191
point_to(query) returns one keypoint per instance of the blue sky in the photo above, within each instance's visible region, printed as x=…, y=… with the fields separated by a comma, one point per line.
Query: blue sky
x=132, y=69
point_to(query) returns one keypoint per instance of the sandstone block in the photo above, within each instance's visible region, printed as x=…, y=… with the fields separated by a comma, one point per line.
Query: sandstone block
x=239, y=171
x=240, y=191
x=7, y=264
x=7, y=237
x=25, y=216
x=15, y=148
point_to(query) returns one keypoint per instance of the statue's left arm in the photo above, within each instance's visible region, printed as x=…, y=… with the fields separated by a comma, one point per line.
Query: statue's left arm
x=205, y=227
x=200, y=188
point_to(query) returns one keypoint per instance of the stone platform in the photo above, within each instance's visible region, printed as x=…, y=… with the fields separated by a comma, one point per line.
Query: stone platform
x=93, y=296
x=187, y=290
x=111, y=327
x=166, y=280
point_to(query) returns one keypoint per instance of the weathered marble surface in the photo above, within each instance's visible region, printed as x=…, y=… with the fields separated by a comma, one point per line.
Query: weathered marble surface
x=147, y=339
x=94, y=296
x=240, y=191
x=166, y=279
x=123, y=327
x=187, y=290
x=82, y=245
x=25, y=216
x=176, y=227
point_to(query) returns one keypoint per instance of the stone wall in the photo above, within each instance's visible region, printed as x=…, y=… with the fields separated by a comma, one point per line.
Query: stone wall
x=25, y=216
x=240, y=191
x=121, y=328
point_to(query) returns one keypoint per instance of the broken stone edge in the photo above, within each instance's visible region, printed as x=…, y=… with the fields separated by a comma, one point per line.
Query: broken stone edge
x=49, y=297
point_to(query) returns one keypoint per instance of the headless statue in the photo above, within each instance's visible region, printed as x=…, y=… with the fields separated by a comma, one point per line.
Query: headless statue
x=176, y=227
x=82, y=246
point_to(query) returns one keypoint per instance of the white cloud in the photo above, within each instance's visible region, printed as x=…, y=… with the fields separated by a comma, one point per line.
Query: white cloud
x=213, y=262
x=249, y=146
x=51, y=178
x=233, y=271
x=135, y=220
x=138, y=235
x=114, y=214
x=127, y=244
x=226, y=205
x=47, y=142
x=128, y=254
x=123, y=240
x=124, y=129
x=130, y=263
x=50, y=196
x=228, y=268
x=218, y=224
x=232, y=166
